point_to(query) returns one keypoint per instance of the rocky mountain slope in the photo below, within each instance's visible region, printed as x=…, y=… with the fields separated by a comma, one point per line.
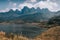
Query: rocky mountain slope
x=29, y=14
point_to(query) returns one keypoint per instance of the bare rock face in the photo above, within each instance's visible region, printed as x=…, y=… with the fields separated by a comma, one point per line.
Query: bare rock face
x=50, y=34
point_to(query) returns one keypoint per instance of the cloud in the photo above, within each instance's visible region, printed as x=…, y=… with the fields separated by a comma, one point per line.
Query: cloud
x=14, y=8
x=10, y=4
x=33, y=0
x=52, y=6
x=25, y=4
x=14, y=4
x=5, y=10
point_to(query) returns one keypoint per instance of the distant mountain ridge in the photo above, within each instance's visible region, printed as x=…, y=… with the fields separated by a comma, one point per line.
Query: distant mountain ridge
x=27, y=14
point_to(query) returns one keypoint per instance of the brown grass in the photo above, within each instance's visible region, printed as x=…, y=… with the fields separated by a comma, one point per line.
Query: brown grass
x=50, y=34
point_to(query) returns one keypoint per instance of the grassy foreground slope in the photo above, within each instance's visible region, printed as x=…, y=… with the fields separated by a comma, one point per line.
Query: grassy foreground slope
x=50, y=34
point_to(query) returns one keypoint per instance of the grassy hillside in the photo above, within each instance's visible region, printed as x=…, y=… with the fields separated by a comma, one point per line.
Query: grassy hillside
x=50, y=34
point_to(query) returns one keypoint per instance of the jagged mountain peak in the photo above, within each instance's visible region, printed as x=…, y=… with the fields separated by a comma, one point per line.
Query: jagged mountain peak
x=30, y=13
x=25, y=7
x=45, y=10
x=11, y=10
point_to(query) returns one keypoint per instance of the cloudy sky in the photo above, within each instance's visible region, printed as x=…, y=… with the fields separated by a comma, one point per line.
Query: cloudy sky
x=52, y=5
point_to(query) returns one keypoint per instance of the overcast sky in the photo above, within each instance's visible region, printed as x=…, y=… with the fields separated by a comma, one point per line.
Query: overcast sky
x=52, y=5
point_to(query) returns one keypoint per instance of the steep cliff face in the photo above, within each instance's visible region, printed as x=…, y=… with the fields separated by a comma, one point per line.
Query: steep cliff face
x=50, y=34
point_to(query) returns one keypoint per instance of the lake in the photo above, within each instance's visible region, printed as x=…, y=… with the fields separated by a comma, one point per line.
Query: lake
x=23, y=29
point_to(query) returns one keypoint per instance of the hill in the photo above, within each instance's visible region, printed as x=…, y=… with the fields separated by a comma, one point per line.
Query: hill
x=50, y=34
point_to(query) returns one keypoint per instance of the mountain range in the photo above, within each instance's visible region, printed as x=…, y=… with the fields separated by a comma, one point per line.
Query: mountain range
x=28, y=14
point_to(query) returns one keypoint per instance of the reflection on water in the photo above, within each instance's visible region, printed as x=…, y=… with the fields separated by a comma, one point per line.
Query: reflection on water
x=24, y=29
